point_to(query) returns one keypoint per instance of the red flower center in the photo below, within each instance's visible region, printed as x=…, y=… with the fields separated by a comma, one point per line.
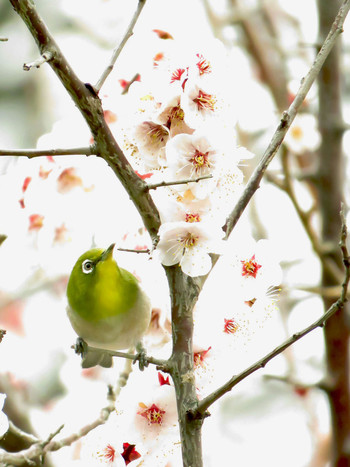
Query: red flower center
x=153, y=414
x=203, y=65
x=205, y=101
x=230, y=326
x=250, y=267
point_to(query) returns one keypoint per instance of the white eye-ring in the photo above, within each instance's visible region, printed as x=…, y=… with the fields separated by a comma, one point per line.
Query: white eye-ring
x=87, y=266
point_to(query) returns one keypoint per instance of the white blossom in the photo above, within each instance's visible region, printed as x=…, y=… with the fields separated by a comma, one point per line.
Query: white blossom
x=188, y=244
x=303, y=134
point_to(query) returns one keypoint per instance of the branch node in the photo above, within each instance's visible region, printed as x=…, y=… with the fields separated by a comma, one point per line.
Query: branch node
x=45, y=57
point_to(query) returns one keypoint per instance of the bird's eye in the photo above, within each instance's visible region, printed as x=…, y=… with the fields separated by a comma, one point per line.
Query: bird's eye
x=87, y=266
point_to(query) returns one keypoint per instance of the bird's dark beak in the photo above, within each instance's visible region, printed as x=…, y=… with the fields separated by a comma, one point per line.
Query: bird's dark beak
x=108, y=253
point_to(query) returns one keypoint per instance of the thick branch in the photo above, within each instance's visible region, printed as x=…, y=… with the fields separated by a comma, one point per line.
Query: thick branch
x=330, y=184
x=287, y=119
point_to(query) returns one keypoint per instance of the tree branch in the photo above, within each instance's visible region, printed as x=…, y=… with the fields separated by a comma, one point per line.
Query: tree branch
x=38, y=450
x=154, y=186
x=116, y=52
x=304, y=217
x=31, y=153
x=161, y=364
x=45, y=57
x=287, y=119
x=338, y=305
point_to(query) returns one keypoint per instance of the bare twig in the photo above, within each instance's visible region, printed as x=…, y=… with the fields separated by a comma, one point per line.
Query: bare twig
x=339, y=304
x=26, y=437
x=38, y=450
x=154, y=186
x=296, y=384
x=287, y=119
x=131, y=250
x=161, y=364
x=129, y=32
x=136, y=77
x=304, y=217
x=3, y=39
x=45, y=57
x=30, y=153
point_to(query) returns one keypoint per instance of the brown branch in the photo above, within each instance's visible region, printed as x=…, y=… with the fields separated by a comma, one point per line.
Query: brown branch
x=336, y=306
x=287, y=119
x=31, y=153
x=154, y=186
x=262, y=44
x=330, y=185
x=133, y=250
x=116, y=52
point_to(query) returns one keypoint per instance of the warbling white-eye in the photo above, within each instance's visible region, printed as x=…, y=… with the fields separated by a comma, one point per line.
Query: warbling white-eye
x=106, y=306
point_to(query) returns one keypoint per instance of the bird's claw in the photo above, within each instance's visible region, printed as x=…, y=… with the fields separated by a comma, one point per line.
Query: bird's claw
x=81, y=347
x=141, y=357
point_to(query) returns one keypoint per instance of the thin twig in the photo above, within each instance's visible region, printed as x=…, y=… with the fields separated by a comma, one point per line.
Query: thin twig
x=286, y=120
x=154, y=186
x=129, y=32
x=3, y=39
x=161, y=364
x=131, y=250
x=26, y=437
x=45, y=57
x=296, y=384
x=304, y=218
x=136, y=77
x=38, y=450
x=30, y=153
x=339, y=304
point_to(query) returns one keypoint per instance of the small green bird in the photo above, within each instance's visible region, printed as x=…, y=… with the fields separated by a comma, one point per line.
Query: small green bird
x=106, y=306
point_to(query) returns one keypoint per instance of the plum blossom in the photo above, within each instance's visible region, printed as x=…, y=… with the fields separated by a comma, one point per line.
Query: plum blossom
x=151, y=138
x=190, y=157
x=186, y=209
x=303, y=134
x=172, y=115
x=189, y=244
x=256, y=270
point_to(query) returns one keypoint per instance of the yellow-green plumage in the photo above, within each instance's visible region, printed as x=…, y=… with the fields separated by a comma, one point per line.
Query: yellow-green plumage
x=106, y=305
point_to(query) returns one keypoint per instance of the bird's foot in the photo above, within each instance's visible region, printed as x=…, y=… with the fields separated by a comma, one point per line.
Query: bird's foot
x=81, y=347
x=141, y=356
x=92, y=357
